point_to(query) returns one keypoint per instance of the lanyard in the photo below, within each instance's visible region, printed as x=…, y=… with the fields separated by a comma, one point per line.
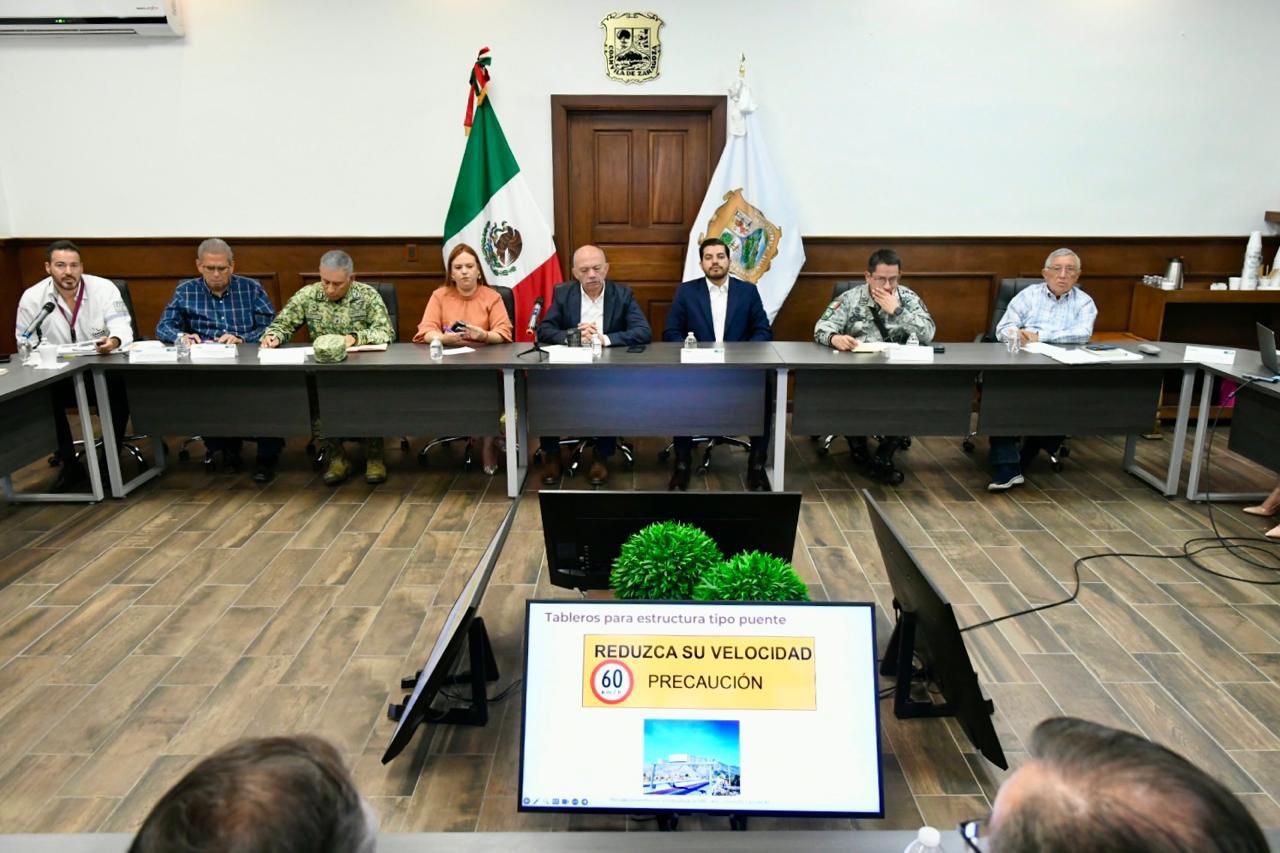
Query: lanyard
x=75, y=310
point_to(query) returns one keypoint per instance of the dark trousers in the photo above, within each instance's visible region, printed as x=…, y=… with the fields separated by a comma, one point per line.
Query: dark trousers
x=1005, y=449
x=268, y=448
x=64, y=398
x=604, y=445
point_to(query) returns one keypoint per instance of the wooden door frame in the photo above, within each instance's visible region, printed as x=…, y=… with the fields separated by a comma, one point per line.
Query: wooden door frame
x=562, y=105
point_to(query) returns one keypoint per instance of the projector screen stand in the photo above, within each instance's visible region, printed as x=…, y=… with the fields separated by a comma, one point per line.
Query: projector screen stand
x=899, y=661
x=483, y=668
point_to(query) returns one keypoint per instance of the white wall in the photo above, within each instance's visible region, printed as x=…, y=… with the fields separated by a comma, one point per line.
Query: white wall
x=895, y=117
x=4, y=210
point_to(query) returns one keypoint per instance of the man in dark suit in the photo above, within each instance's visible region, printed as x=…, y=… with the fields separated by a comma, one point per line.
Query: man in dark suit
x=718, y=307
x=596, y=307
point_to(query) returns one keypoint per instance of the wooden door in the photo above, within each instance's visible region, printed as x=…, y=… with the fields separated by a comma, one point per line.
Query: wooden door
x=630, y=174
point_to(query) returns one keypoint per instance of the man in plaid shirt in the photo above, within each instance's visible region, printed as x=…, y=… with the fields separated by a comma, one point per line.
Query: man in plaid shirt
x=1056, y=312
x=226, y=308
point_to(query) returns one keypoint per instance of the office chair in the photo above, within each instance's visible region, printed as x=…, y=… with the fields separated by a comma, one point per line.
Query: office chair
x=880, y=464
x=468, y=453
x=387, y=291
x=1009, y=288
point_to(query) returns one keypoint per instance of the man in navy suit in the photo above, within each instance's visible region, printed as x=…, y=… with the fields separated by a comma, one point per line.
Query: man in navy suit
x=718, y=307
x=599, y=308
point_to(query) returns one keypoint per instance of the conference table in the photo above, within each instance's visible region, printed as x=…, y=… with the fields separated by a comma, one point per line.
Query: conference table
x=27, y=432
x=1255, y=424
x=402, y=391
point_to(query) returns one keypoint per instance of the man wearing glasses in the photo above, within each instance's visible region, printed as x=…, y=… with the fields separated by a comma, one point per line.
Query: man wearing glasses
x=1055, y=312
x=882, y=310
x=225, y=308
x=1090, y=787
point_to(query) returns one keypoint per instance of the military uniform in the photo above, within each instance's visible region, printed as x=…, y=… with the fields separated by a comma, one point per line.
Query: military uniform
x=360, y=313
x=856, y=314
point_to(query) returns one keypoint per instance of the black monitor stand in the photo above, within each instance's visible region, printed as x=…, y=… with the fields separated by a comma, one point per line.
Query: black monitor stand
x=482, y=668
x=899, y=662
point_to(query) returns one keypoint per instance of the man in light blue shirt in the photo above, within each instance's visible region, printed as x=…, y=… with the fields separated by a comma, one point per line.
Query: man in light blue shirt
x=1055, y=312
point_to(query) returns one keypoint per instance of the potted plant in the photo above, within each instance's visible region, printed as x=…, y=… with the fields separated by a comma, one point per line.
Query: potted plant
x=663, y=562
x=751, y=576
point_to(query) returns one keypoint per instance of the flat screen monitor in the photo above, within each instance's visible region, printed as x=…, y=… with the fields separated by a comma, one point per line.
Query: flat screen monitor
x=585, y=531
x=927, y=629
x=461, y=630
x=717, y=707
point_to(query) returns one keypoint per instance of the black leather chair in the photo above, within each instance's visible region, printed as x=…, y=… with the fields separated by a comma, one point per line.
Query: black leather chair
x=1007, y=289
x=468, y=454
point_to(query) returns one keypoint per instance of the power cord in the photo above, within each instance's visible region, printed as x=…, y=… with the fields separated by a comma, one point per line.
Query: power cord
x=1236, y=546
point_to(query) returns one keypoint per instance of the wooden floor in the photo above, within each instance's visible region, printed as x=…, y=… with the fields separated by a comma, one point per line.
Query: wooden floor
x=137, y=635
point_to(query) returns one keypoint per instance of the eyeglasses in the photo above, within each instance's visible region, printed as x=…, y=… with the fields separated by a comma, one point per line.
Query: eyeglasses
x=886, y=281
x=1063, y=270
x=974, y=833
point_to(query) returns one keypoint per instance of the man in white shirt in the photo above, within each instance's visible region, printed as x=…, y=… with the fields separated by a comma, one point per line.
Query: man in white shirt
x=596, y=307
x=718, y=307
x=85, y=308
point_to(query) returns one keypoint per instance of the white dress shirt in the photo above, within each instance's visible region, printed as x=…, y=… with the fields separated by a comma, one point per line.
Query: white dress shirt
x=719, y=305
x=102, y=312
x=593, y=312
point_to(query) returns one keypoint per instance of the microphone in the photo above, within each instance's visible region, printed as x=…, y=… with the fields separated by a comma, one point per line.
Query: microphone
x=533, y=316
x=34, y=325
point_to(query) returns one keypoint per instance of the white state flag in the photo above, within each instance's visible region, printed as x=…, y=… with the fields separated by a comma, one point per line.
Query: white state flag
x=747, y=207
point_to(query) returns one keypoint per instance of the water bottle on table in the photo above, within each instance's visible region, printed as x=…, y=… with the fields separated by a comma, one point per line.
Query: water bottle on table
x=437, y=349
x=1012, y=340
x=913, y=340
x=182, y=346
x=597, y=346
x=690, y=341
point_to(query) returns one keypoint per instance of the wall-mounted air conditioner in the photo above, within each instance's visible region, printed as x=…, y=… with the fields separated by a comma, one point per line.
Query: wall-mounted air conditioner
x=90, y=18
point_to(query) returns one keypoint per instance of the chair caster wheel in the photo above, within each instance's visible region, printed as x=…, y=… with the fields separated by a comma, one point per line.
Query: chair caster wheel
x=906, y=442
x=404, y=445
x=822, y=451
x=54, y=461
x=184, y=455
x=1064, y=452
x=422, y=460
x=966, y=446
x=1056, y=466
x=894, y=477
x=663, y=456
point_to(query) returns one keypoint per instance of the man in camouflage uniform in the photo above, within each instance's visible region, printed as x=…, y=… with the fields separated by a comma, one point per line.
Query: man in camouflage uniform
x=337, y=305
x=880, y=310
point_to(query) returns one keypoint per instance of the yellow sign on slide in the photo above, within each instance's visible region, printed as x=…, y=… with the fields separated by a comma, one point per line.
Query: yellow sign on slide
x=699, y=672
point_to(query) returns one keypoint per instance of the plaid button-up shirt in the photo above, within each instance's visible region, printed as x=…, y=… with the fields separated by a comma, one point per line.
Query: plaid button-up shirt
x=243, y=310
x=1058, y=320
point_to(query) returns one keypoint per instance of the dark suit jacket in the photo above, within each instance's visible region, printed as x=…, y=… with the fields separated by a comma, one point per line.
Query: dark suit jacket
x=624, y=322
x=744, y=319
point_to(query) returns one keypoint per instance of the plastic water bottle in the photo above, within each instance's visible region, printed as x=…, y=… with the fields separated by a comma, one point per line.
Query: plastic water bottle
x=690, y=341
x=927, y=839
x=182, y=346
x=437, y=349
x=913, y=340
x=597, y=346
x=1012, y=340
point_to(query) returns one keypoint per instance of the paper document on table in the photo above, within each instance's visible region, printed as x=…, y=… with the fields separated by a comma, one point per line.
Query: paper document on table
x=157, y=355
x=1209, y=355
x=458, y=350
x=82, y=348
x=368, y=348
x=284, y=355
x=1116, y=354
x=872, y=346
x=213, y=352
x=1061, y=355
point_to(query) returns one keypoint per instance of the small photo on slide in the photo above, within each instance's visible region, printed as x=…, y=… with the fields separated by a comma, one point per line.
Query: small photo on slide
x=691, y=758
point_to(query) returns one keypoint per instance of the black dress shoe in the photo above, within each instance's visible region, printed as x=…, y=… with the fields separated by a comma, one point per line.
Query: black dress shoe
x=264, y=473
x=70, y=475
x=679, y=477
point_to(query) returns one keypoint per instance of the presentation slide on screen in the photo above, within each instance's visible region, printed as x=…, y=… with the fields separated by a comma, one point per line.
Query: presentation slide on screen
x=738, y=708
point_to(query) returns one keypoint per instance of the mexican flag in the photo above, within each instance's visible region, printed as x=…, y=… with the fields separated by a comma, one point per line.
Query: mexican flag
x=494, y=213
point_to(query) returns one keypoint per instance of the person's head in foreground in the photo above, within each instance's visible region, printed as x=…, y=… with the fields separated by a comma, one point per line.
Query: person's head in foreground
x=273, y=795
x=1087, y=787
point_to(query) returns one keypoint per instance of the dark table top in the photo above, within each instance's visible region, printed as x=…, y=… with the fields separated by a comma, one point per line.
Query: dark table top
x=963, y=356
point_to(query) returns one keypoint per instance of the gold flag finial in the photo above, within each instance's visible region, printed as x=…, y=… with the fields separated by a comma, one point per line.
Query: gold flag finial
x=742, y=65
